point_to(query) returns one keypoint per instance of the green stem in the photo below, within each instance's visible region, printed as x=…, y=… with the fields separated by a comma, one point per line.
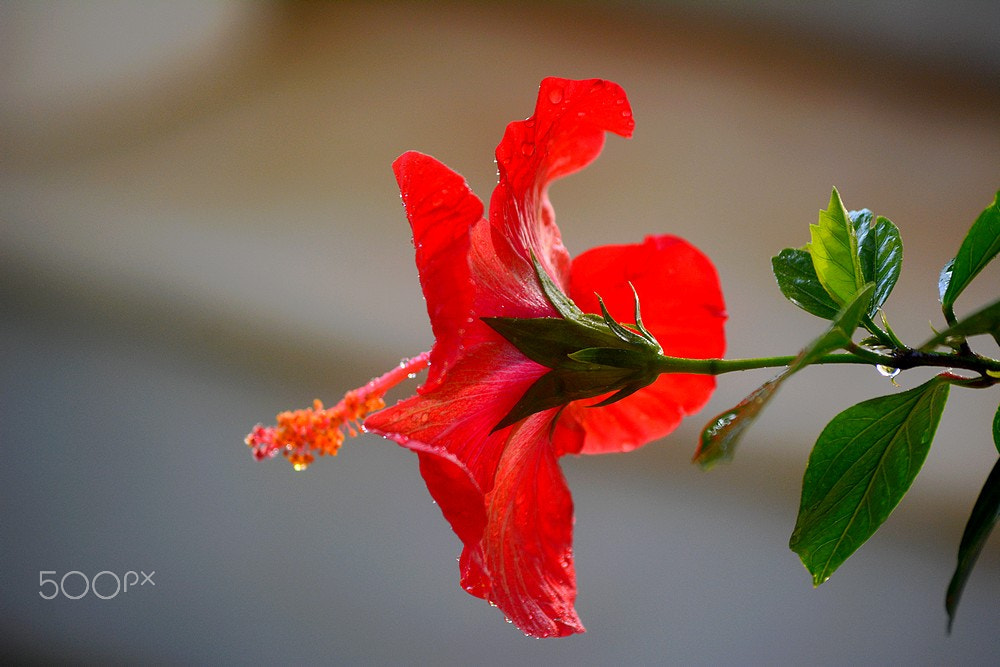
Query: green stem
x=903, y=360
x=719, y=366
x=883, y=336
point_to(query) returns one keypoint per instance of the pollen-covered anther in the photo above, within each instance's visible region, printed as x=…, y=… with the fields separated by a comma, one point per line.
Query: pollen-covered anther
x=302, y=435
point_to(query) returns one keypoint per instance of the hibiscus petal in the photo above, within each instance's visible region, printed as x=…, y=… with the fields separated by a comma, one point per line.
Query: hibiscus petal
x=457, y=417
x=564, y=135
x=441, y=209
x=451, y=427
x=527, y=547
x=682, y=307
x=502, y=492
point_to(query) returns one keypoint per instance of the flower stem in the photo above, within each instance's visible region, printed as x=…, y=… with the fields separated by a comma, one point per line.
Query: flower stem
x=721, y=366
x=902, y=359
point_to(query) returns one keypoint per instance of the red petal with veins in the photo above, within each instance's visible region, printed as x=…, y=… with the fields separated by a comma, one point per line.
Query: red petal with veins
x=527, y=545
x=682, y=307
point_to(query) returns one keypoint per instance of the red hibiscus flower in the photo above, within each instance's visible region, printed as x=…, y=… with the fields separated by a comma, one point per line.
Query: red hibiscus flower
x=493, y=470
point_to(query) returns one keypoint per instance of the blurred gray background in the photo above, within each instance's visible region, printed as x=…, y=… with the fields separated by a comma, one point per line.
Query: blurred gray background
x=199, y=227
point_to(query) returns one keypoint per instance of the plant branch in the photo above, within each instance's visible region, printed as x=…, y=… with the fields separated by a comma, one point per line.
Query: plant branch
x=902, y=359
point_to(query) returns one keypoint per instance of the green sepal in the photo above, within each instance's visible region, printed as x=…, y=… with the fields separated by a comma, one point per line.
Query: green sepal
x=642, y=339
x=588, y=355
x=625, y=335
x=638, y=320
x=614, y=357
x=562, y=303
x=550, y=340
x=564, y=385
x=626, y=391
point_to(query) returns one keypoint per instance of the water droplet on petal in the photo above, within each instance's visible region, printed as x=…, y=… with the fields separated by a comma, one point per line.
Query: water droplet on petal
x=528, y=149
x=556, y=95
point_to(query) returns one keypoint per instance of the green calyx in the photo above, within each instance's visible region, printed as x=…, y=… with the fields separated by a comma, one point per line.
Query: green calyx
x=589, y=355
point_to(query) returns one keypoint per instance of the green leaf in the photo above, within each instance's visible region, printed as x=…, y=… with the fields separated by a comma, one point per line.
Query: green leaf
x=984, y=516
x=880, y=253
x=984, y=321
x=996, y=429
x=861, y=467
x=793, y=269
x=980, y=245
x=720, y=436
x=834, y=250
x=840, y=332
x=718, y=440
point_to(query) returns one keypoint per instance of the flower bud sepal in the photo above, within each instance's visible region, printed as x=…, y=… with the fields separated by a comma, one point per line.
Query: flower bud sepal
x=589, y=355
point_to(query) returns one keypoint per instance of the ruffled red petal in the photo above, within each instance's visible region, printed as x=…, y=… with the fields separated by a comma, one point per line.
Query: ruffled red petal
x=564, y=135
x=682, y=306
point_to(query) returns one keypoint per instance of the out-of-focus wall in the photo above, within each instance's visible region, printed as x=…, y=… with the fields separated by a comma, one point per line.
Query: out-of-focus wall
x=199, y=228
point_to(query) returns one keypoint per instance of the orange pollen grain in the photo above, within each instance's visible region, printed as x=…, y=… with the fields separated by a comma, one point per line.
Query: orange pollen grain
x=302, y=435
